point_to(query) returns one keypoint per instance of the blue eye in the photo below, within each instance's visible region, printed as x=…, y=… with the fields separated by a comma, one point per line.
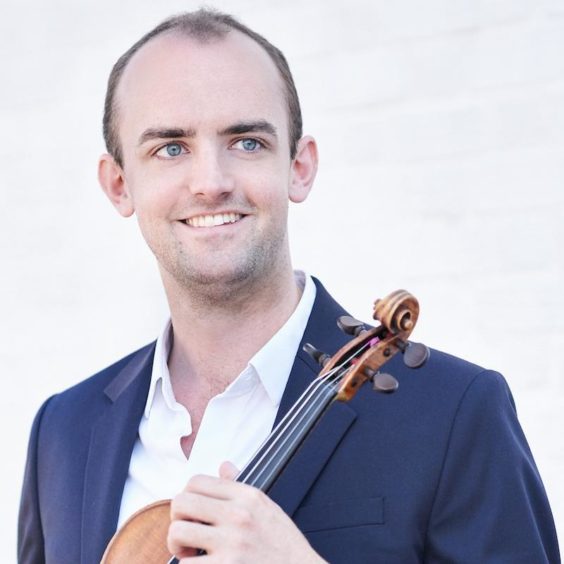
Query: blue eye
x=174, y=149
x=170, y=150
x=249, y=145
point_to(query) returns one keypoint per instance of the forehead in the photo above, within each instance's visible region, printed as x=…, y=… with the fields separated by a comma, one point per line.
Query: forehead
x=178, y=81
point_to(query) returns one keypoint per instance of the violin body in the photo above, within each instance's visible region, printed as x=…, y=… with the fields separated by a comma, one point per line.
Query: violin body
x=142, y=538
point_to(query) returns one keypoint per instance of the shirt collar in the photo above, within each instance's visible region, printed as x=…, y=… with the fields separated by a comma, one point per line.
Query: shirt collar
x=272, y=363
x=160, y=371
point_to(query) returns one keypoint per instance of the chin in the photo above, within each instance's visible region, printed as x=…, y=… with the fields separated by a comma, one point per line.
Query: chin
x=224, y=274
x=218, y=280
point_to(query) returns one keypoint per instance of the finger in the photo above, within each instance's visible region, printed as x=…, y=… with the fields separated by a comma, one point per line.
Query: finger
x=193, y=506
x=219, y=488
x=185, y=538
x=228, y=470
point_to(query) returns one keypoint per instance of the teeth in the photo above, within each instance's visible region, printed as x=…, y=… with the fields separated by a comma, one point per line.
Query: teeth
x=213, y=220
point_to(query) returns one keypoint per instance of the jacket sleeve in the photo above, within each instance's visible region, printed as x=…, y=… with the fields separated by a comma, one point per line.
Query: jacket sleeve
x=490, y=505
x=30, y=533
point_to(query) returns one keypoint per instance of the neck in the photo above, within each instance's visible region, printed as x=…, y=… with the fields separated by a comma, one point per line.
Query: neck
x=218, y=331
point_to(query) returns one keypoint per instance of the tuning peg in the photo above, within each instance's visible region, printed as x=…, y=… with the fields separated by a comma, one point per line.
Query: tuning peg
x=382, y=382
x=415, y=355
x=350, y=325
x=385, y=383
x=319, y=356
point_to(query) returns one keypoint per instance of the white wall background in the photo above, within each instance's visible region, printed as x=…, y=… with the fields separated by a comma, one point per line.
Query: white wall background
x=441, y=131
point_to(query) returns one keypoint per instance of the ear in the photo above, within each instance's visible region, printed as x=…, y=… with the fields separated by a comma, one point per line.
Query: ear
x=304, y=169
x=112, y=180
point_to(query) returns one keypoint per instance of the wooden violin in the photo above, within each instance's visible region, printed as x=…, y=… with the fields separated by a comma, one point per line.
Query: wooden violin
x=142, y=538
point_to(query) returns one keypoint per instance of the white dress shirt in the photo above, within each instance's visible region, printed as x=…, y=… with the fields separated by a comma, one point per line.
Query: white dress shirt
x=234, y=425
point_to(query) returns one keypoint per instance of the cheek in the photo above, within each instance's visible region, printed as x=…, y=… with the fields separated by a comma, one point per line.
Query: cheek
x=154, y=195
x=270, y=188
x=275, y=211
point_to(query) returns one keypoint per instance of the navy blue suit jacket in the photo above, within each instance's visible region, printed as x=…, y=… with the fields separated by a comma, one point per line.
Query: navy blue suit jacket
x=438, y=472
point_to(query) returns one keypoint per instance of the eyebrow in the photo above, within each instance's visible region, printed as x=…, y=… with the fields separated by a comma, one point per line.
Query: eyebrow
x=260, y=125
x=165, y=133
x=238, y=128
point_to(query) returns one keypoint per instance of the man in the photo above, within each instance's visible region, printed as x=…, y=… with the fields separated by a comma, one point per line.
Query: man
x=203, y=130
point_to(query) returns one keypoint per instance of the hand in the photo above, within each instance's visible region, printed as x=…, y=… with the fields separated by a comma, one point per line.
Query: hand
x=233, y=522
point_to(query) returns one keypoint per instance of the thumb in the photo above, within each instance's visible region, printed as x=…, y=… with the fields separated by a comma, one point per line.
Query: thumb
x=228, y=470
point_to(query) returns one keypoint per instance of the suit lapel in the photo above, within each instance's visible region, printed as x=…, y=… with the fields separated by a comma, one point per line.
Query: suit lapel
x=111, y=444
x=302, y=471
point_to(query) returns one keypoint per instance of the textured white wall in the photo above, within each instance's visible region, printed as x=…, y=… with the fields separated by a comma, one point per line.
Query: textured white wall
x=441, y=131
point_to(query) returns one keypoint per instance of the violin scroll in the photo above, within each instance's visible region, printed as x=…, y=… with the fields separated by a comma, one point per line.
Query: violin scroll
x=398, y=312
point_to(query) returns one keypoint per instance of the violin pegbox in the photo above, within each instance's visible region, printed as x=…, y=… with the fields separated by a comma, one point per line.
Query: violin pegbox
x=360, y=360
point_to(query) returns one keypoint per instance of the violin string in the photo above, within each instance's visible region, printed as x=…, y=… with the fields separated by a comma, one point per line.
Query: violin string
x=312, y=412
x=301, y=415
x=304, y=399
x=288, y=442
x=290, y=420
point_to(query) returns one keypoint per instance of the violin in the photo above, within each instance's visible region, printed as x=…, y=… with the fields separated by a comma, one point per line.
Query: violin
x=142, y=538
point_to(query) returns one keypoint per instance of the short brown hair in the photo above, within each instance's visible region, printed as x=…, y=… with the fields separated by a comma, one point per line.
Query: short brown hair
x=203, y=25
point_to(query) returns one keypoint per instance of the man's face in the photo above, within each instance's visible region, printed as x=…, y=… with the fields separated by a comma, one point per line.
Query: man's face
x=206, y=163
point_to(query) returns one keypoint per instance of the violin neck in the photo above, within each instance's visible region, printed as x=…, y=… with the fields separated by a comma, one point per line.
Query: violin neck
x=287, y=437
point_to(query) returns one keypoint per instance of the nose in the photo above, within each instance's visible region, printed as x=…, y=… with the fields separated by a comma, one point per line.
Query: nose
x=209, y=178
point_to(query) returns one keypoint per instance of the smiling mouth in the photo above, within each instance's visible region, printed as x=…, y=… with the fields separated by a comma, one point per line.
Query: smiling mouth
x=213, y=220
